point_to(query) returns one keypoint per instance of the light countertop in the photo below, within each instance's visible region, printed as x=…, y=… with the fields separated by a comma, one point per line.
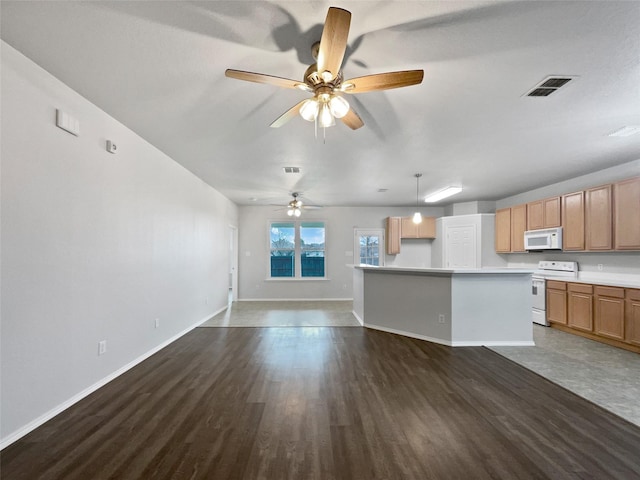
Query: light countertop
x=465, y=271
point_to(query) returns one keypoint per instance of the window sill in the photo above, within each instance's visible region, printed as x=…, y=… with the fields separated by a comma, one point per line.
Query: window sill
x=297, y=279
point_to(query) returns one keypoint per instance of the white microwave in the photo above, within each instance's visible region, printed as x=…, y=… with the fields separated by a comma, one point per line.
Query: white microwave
x=546, y=239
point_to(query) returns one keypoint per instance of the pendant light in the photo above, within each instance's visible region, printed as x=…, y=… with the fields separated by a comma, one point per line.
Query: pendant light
x=417, y=217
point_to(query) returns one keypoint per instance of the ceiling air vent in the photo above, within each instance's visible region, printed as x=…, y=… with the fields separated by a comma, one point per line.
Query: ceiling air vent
x=291, y=169
x=548, y=86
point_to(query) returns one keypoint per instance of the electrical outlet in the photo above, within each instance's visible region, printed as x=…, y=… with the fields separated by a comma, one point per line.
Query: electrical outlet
x=102, y=347
x=600, y=267
x=441, y=318
x=157, y=322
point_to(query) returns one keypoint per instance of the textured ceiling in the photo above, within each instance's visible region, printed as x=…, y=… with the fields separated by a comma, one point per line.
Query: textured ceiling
x=158, y=67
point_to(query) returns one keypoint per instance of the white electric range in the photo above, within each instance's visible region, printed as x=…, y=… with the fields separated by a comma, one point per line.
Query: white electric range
x=548, y=269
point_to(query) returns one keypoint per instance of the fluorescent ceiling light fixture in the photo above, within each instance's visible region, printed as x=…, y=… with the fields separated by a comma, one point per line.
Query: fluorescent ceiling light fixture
x=626, y=131
x=444, y=193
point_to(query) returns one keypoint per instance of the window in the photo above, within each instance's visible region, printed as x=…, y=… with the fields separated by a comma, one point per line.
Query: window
x=368, y=247
x=297, y=250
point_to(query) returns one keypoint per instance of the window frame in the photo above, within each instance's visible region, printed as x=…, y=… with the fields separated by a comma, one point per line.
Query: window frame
x=297, y=250
x=378, y=232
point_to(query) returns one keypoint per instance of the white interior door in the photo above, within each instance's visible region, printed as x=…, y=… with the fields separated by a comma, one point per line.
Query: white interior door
x=460, y=247
x=368, y=248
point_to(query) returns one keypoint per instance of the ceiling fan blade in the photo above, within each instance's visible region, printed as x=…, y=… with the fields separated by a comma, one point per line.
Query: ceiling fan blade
x=333, y=42
x=268, y=79
x=288, y=115
x=382, y=81
x=352, y=120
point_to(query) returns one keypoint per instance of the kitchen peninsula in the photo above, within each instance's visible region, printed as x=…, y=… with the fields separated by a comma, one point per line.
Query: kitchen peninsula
x=455, y=307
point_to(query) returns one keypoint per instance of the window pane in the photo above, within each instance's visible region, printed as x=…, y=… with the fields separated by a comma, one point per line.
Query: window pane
x=369, y=249
x=282, y=238
x=312, y=249
x=282, y=264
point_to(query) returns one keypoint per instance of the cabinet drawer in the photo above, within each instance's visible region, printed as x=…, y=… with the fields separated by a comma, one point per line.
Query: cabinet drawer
x=615, y=292
x=580, y=288
x=555, y=285
x=633, y=293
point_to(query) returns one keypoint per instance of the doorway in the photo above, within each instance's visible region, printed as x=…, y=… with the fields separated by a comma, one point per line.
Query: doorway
x=233, y=264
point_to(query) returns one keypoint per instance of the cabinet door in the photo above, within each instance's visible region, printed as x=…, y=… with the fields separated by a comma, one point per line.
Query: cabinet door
x=552, y=212
x=535, y=215
x=632, y=317
x=518, y=227
x=557, y=306
x=573, y=221
x=580, y=307
x=503, y=230
x=427, y=229
x=626, y=197
x=408, y=229
x=609, y=312
x=393, y=235
x=598, y=218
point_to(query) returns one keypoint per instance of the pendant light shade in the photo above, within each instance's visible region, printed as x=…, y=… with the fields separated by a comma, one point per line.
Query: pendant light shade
x=417, y=217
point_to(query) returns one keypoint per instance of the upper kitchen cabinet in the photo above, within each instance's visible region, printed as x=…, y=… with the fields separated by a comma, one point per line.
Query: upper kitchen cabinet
x=626, y=211
x=503, y=230
x=543, y=213
x=573, y=221
x=392, y=235
x=598, y=225
x=424, y=229
x=518, y=227
x=510, y=226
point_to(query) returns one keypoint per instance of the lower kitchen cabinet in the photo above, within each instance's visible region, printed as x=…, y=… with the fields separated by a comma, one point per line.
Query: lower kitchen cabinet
x=632, y=316
x=557, y=302
x=609, y=312
x=602, y=313
x=580, y=306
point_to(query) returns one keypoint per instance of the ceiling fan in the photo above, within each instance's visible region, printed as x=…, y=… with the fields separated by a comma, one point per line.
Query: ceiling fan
x=295, y=206
x=325, y=80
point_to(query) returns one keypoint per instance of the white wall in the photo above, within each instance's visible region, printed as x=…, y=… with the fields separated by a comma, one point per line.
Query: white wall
x=94, y=247
x=612, y=262
x=340, y=223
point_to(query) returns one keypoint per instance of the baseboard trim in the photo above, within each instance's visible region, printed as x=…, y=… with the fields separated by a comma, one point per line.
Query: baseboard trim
x=409, y=334
x=21, y=432
x=295, y=299
x=209, y=317
x=451, y=343
x=360, y=321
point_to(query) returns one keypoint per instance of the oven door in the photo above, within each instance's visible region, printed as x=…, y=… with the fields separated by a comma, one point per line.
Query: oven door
x=538, y=301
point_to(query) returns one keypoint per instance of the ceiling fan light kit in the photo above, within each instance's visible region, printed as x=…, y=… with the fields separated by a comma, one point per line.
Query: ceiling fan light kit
x=325, y=80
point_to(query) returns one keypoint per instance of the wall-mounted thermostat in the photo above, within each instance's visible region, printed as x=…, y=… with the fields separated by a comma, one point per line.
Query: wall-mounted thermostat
x=111, y=147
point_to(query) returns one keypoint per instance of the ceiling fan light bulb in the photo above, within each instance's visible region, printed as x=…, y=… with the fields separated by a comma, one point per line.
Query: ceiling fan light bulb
x=297, y=212
x=339, y=106
x=417, y=218
x=290, y=212
x=327, y=76
x=309, y=110
x=326, y=118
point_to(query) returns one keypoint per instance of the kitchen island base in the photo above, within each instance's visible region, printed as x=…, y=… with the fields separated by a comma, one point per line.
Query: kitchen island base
x=452, y=307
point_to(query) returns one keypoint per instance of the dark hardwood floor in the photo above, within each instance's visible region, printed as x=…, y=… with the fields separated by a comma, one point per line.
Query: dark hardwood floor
x=326, y=403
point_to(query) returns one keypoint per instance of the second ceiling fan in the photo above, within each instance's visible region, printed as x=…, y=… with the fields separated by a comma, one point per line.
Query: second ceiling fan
x=324, y=79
